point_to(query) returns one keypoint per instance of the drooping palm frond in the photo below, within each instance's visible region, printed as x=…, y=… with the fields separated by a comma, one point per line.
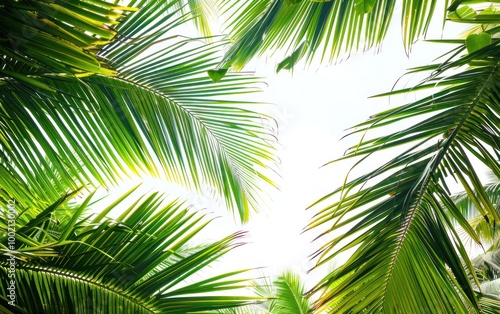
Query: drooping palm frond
x=407, y=257
x=159, y=115
x=134, y=263
x=204, y=13
x=327, y=30
x=466, y=205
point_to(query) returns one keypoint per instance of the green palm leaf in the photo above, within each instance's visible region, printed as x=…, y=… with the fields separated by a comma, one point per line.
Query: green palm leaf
x=160, y=115
x=329, y=29
x=486, y=264
x=290, y=295
x=45, y=38
x=487, y=232
x=136, y=262
x=283, y=295
x=407, y=255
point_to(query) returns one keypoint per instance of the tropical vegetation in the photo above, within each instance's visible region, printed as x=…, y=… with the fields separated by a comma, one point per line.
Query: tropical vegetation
x=285, y=293
x=92, y=95
x=408, y=256
x=70, y=260
x=94, y=92
x=487, y=262
x=401, y=218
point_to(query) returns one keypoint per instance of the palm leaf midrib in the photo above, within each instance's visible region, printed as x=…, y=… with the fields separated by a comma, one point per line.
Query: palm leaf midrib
x=295, y=298
x=444, y=145
x=53, y=271
x=209, y=131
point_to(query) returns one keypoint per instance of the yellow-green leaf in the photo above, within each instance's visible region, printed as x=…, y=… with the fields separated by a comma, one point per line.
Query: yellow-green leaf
x=463, y=13
x=364, y=6
x=474, y=42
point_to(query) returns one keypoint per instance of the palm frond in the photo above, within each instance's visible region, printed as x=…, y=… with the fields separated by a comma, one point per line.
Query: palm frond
x=329, y=29
x=42, y=38
x=398, y=214
x=160, y=115
x=490, y=304
x=135, y=262
x=466, y=205
x=487, y=266
x=283, y=294
x=290, y=295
